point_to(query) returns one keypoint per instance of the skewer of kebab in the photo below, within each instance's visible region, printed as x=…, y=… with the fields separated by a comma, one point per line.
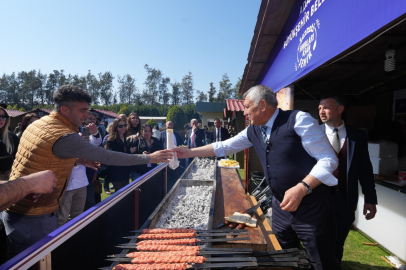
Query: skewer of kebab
x=160, y=257
x=179, y=248
x=182, y=230
x=178, y=266
x=190, y=241
x=293, y=252
x=157, y=266
x=181, y=235
x=173, y=253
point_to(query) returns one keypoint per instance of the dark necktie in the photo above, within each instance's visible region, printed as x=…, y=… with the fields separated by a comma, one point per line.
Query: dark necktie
x=263, y=131
x=218, y=134
x=336, y=141
x=193, y=139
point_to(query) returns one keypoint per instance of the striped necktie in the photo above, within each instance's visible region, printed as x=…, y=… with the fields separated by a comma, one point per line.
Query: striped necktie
x=263, y=131
x=193, y=139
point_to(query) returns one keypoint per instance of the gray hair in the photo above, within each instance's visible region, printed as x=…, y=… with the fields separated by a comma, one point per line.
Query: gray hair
x=191, y=121
x=259, y=92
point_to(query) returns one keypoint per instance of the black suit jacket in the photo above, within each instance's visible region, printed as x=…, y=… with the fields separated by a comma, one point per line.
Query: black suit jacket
x=199, y=140
x=224, y=134
x=179, y=140
x=359, y=168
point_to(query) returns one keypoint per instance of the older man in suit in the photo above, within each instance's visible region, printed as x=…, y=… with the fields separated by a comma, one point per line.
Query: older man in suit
x=298, y=162
x=194, y=137
x=351, y=148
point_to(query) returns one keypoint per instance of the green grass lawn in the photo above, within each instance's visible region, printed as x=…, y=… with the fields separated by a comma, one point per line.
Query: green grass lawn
x=358, y=256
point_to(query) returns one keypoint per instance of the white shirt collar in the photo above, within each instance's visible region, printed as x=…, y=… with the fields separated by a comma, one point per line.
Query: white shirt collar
x=270, y=122
x=330, y=129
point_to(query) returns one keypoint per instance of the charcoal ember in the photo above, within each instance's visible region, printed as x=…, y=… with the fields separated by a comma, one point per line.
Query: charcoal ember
x=189, y=208
x=203, y=169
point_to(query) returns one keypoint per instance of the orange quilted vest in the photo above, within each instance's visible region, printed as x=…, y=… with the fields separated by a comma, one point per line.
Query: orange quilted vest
x=35, y=154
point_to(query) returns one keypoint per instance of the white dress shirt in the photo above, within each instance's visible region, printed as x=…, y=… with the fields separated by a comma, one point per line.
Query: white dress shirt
x=342, y=133
x=78, y=178
x=314, y=141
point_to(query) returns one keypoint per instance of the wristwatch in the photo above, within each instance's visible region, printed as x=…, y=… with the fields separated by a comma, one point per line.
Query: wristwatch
x=308, y=188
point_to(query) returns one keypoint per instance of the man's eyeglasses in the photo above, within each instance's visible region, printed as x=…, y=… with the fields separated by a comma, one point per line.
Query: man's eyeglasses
x=121, y=126
x=4, y=117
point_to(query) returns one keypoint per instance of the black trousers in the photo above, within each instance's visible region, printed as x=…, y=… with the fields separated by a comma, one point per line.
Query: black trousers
x=344, y=218
x=313, y=225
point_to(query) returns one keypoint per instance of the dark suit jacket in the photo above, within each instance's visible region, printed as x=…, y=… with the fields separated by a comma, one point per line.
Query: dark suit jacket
x=199, y=140
x=224, y=134
x=179, y=140
x=359, y=168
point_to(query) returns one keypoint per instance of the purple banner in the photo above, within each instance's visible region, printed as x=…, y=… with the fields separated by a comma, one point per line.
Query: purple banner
x=318, y=30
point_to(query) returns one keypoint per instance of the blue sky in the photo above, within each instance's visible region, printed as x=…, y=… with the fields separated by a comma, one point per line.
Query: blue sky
x=208, y=38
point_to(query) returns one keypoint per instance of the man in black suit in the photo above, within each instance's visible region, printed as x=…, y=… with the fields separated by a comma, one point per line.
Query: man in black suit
x=351, y=147
x=219, y=133
x=194, y=137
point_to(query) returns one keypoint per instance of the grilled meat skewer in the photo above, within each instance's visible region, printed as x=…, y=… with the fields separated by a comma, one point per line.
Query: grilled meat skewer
x=156, y=266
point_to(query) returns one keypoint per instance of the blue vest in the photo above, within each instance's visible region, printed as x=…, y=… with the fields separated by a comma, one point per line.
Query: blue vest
x=284, y=159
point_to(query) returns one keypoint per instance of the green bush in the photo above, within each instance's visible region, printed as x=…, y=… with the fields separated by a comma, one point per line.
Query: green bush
x=124, y=110
x=152, y=122
x=177, y=116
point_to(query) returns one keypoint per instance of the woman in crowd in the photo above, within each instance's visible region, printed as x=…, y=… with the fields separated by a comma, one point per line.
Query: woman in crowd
x=118, y=175
x=27, y=120
x=145, y=144
x=8, y=145
x=153, y=189
x=134, y=125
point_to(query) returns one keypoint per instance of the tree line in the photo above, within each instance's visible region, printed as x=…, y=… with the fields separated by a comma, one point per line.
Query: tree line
x=32, y=89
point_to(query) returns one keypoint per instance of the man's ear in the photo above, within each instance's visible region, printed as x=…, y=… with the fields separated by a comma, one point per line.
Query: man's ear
x=65, y=110
x=340, y=109
x=262, y=104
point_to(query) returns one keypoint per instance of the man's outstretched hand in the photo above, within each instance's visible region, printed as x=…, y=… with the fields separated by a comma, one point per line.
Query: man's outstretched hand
x=181, y=152
x=161, y=156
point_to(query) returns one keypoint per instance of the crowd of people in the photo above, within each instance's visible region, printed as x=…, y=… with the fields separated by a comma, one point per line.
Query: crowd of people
x=66, y=147
x=54, y=164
